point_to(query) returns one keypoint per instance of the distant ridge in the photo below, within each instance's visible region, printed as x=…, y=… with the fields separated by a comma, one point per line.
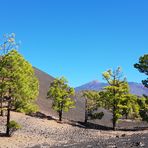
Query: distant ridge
x=135, y=88
x=138, y=89
x=93, y=85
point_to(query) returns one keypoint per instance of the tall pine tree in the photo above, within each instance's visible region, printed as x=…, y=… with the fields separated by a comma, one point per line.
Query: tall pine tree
x=115, y=91
x=19, y=85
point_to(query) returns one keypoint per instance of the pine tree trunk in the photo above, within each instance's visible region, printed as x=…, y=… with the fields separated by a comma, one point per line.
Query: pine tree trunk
x=126, y=115
x=114, y=119
x=2, y=113
x=60, y=115
x=114, y=125
x=8, y=120
x=86, y=116
x=61, y=111
x=86, y=112
x=114, y=108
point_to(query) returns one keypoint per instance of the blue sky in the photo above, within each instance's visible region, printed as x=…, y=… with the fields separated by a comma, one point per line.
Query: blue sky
x=79, y=39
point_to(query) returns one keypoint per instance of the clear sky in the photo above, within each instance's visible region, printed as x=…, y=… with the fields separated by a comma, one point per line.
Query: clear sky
x=79, y=39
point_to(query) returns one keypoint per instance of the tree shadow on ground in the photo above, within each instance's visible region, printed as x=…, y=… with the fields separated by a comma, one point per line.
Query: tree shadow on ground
x=133, y=129
x=3, y=135
x=41, y=116
x=90, y=125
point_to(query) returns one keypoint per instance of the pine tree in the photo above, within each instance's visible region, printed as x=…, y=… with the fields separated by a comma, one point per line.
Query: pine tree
x=115, y=91
x=19, y=85
x=142, y=66
x=92, y=102
x=19, y=77
x=143, y=107
x=8, y=43
x=61, y=94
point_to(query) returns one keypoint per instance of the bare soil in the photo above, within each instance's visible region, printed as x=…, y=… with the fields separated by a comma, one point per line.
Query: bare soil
x=46, y=132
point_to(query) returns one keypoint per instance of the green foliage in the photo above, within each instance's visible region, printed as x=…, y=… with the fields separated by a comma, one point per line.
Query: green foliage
x=7, y=43
x=142, y=66
x=18, y=76
x=115, y=93
x=61, y=94
x=17, y=82
x=105, y=99
x=13, y=125
x=117, y=98
x=92, y=102
x=27, y=107
x=130, y=106
x=143, y=111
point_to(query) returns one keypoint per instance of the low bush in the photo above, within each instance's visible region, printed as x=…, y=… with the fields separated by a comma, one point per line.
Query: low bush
x=13, y=126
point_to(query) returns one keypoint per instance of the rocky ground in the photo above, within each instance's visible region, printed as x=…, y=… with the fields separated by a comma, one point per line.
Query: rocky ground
x=43, y=133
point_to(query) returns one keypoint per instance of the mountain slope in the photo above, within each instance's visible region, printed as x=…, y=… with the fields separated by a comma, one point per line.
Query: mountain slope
x=77, y=113
x=45, y=104
x=138, y=89
x=135, y=88
x=93, y=85
x=44, y=83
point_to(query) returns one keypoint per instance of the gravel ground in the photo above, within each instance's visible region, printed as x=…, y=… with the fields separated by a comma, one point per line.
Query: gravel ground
x=135, y=140
x=43, y=133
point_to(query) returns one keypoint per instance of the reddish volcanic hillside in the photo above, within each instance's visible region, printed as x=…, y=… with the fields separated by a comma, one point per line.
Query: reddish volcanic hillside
x=45, y=104
x=44, y=83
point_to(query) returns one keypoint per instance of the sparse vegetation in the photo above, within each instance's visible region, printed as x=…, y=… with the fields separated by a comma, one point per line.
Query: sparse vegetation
x=61, y=84
x=19, y=90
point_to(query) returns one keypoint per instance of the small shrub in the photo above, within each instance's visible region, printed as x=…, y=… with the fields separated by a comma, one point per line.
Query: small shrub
x=14, y=126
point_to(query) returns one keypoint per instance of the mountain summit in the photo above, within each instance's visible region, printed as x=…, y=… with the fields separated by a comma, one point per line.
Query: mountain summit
x=93, y=85
x=135, y=88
